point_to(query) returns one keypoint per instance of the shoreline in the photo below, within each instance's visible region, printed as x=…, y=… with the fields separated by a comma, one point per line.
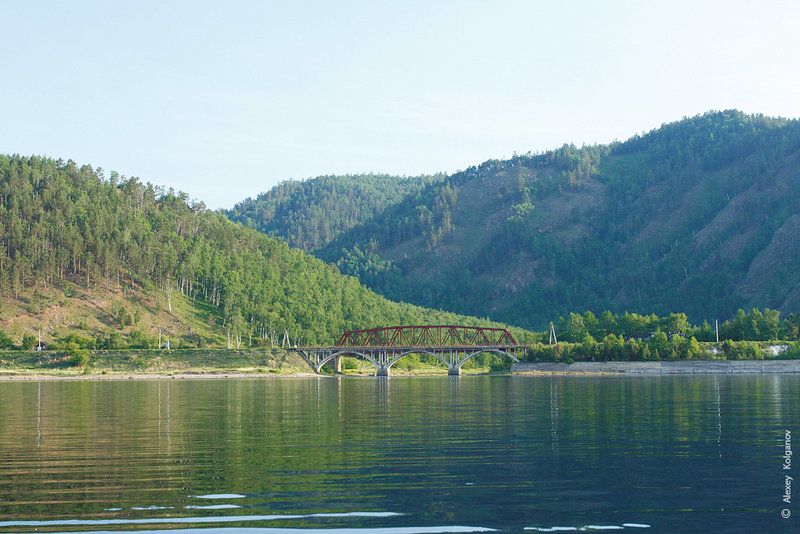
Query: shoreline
x=661, y=368
x=211, y=375
x=666, y=368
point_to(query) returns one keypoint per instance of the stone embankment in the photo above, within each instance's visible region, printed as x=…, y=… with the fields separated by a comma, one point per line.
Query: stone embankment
x=693, y=367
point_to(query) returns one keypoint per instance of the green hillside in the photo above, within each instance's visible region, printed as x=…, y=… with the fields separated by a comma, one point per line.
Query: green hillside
x=309, y=214
x=699, y=216
x=115, y=260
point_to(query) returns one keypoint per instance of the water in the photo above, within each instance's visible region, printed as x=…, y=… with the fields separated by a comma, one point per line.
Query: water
x=399, y=455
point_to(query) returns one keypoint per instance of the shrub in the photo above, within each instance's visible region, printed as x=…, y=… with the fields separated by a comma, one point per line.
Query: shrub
x=28, y=342
x=498, y=365
x=349, y=364
x=140, y=340
x=77, y=339
x=110, y=341
x=76, y=355
x=5, y=341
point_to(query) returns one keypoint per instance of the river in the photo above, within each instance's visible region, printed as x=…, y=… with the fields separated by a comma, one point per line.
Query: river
x=399, y=455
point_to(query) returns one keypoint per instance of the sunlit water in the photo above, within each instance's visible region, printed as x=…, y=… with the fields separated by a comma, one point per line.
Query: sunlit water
x=399, y=455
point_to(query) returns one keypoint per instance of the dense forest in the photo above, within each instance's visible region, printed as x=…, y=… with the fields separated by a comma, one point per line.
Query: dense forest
x=634, y=337
x=700, y=216
x=309, y=214
x=67, y=230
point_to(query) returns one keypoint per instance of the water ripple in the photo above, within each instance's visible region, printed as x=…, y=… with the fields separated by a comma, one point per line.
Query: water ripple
x=214, y=519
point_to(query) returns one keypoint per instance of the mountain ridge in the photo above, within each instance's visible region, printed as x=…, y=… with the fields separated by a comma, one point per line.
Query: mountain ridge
x=694, y=216
x=116, y=262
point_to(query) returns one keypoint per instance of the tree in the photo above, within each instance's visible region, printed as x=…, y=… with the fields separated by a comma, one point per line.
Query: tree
x=676, y=323
x=28, y=341
x=573, y=329
x=612, y=348
x=5, y=341
x=76, y=355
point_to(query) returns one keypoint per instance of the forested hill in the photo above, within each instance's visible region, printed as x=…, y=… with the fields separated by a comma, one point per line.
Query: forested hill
x=111, y=257
x=699, y=216
x=309, y=214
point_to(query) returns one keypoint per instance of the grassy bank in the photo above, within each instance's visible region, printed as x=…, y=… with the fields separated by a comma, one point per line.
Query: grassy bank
x=156, y=362
x=185, y=362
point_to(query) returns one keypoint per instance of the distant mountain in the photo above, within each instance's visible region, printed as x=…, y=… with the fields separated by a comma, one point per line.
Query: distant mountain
x=699, y=216
x=309, y=214
x=115, y=261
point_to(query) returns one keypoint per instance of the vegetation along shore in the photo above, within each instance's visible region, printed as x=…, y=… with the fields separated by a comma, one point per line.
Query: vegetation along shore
x=101, y=273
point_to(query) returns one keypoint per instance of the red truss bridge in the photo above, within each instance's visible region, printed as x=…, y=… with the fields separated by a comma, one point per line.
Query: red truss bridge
x=453, y=345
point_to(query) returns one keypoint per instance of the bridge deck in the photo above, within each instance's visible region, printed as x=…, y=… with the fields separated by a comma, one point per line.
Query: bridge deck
x=421, y=348
x=384, y=356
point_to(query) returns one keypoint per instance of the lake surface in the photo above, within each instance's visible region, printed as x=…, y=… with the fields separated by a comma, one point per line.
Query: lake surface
x=399, y=455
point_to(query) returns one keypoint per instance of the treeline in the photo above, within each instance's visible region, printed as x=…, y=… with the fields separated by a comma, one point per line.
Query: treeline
x=634, y=337
x=60, y=222
x=755, y=325
x=659, y=347
x=309, y=214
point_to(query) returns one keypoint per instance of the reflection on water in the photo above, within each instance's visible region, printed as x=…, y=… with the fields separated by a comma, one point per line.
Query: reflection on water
x=398, y=454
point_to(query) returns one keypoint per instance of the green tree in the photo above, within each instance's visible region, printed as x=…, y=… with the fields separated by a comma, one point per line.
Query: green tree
x=5, y=341
x=28, y=342
x=76, y=355
x=573, y=329
x=612, y=348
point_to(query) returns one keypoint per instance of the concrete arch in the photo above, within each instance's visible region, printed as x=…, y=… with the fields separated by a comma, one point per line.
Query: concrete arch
x=487, y=351
x=347, y=353
x=383, y=358
x=416, y=351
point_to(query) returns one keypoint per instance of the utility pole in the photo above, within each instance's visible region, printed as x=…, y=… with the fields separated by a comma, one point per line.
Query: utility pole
x=716, y=324
x=286, y=340
x=553, y=338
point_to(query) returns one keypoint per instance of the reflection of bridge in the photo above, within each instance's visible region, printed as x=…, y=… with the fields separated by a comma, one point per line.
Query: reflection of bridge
x=453, y=345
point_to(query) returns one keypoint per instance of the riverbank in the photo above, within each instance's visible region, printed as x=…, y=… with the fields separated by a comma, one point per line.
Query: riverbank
x=251, y=363
x=143, y=364
x=210, y=375
x=692, y=367
x=190, y=363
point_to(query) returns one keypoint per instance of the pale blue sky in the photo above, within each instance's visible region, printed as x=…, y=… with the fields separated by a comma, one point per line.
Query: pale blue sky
x=225, y=99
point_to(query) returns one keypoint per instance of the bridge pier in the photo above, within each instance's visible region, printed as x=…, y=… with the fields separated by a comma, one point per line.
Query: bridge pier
x=335, y=364
x=454, y=370
x=382, y=371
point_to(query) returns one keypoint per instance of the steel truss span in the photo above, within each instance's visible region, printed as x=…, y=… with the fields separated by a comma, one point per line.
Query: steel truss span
x=427, y=336
x=452, y=345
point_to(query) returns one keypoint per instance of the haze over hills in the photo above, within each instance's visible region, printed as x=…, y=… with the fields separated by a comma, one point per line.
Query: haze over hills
x=699, y=216
x=115, y=260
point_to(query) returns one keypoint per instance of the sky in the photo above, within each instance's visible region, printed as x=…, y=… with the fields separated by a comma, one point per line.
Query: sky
x=224, y=100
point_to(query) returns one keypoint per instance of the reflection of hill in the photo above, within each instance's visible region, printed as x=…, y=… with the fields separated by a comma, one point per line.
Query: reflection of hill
x=77, y=448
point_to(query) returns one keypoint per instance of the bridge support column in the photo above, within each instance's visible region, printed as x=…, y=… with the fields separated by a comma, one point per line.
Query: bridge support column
x=382, y=371
x=453, y=370
x=335, y=364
